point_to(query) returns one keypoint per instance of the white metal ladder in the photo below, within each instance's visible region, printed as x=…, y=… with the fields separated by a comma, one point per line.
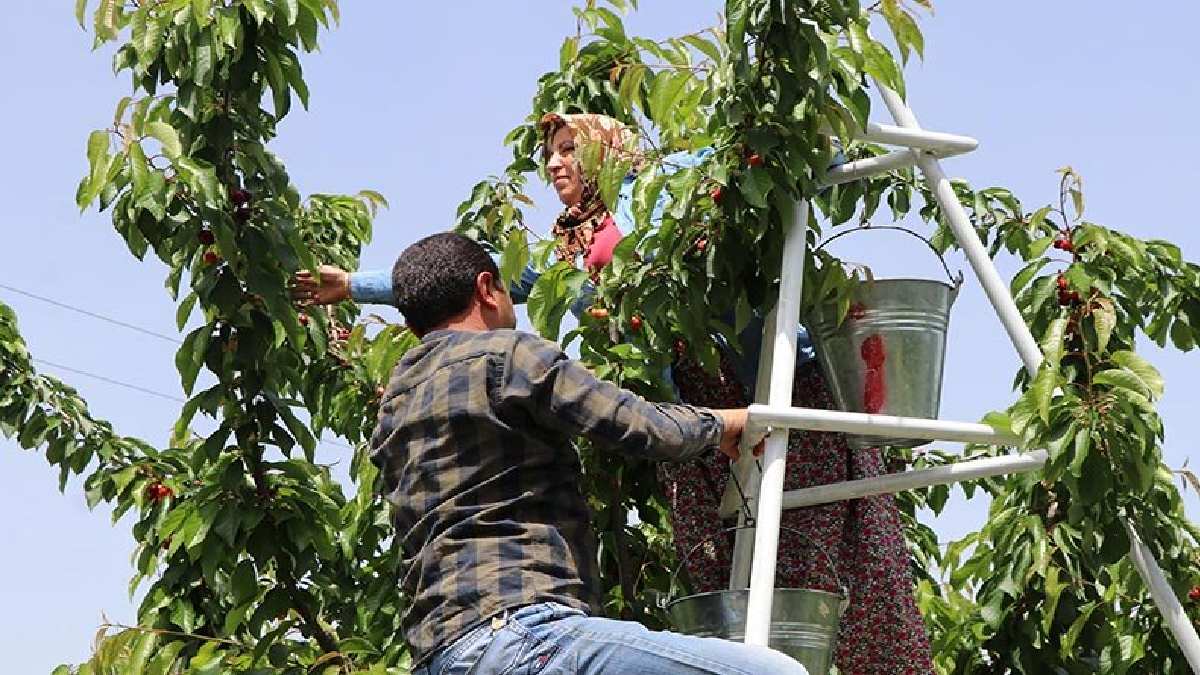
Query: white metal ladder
x=755, y=548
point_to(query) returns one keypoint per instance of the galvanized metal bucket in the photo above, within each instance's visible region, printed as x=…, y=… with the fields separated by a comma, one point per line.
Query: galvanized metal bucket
x=888, y=355
x=804, y=621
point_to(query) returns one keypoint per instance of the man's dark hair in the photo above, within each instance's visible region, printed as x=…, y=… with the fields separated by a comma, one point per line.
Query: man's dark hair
x=434, y=279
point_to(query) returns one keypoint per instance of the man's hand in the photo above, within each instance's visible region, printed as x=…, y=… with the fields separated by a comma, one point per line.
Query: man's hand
x=731, y=437
x=332, y=286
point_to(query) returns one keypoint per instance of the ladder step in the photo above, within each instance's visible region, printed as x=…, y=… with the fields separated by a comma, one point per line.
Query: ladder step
x=909, y=480
x=814, y=419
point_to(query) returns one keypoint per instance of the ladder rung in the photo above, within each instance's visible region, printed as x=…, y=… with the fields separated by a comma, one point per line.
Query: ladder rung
x=909, y=480
x=865, y=424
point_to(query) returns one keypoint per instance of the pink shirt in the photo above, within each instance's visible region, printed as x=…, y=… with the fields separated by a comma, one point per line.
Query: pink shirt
x=603, y=243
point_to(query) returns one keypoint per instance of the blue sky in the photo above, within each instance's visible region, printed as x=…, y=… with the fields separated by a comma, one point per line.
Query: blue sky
x=412, y=99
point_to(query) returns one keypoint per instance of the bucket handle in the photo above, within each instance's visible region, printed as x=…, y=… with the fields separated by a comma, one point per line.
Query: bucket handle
x=955, y=280
x=845, y=593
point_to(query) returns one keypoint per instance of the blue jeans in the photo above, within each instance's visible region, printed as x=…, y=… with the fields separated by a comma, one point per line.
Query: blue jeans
x=550, y=638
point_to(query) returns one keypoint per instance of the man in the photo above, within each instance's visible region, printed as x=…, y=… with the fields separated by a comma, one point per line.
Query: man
x=474, y=444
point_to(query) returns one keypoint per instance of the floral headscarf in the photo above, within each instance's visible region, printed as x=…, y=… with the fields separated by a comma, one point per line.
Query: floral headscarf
x=576, y=227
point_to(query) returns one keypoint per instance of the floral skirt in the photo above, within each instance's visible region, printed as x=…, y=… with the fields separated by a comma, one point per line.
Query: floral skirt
x=882, y=632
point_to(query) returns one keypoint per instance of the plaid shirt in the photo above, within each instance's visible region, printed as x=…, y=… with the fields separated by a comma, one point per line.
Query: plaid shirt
x=474, y=446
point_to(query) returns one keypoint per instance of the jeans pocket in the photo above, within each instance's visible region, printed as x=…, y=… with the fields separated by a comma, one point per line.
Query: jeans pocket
x=461, y=657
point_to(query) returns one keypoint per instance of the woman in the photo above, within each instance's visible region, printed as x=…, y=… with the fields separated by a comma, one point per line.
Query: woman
x=882, y=631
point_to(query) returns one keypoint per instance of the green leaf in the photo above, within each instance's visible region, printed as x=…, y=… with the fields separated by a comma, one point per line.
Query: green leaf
x=1053, y=342
x=185, y=310
x=1083, y=445
x=755, y=185
x=97, y=151
x=1042, y=390
x=1027, y=274
x=190, y=356
x=106, y=19
x=166, y=134
x=202, y=70
x=567, y=53
x=1053, y=589
x=81, y=12
x=515, y=257
x=164, y=659
x=291, y=10
x=1145, y=372
x=1120, y=377
x=202, y=11
x=1104, y=317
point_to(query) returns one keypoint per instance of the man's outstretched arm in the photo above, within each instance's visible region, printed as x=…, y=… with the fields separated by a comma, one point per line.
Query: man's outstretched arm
x=559, y=393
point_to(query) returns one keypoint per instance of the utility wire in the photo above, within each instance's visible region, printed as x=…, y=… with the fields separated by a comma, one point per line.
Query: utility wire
x=109, y=380
x=122, y=324
x=101, y=317
x=149, y=392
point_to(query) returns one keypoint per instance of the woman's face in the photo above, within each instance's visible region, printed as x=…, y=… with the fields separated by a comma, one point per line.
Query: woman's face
x=563, y=169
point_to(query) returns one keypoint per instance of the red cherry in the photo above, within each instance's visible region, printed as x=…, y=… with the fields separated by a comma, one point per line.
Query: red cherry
x=872, y=351
x=680, y=346
x=1064, y=244
x=242, y=213
x=598, y=313
x=239, y=197
x=717, y=194
x=1062, y=283
x=635, y=323
x=858, y=310
x=303, y=318
x=156, y=492
x=1194, y=594
x=701, y=244
x=755, y=160
x=206, y=237
x=211, y=258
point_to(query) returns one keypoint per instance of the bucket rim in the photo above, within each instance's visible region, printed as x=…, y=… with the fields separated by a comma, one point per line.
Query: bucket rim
x=877, y=280
x=745, y=591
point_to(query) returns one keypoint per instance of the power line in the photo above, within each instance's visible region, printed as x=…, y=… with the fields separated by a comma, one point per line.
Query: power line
x=109, y=380
x=101, y=317
x=150, y=392
x=122, y=324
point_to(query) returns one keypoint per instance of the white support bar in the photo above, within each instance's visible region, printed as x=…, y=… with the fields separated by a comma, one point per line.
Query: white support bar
x=745, y=470
x=783, y=365
x=892, y=483
x=872, y=166
x=816, y=419
x=1164, y=598
x=993, y=286
x=919, y=139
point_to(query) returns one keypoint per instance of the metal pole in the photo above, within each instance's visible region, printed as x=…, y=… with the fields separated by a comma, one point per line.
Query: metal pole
x=909, y=480
x=916, y=137
x=816, y=419
x=745, y=470
x=783, y=366
x=995, y=288
x=872, y=166
x=1164, y=597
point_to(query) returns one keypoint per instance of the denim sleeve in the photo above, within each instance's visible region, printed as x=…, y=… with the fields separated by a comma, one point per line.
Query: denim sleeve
x=372, y=288
x=623, y=213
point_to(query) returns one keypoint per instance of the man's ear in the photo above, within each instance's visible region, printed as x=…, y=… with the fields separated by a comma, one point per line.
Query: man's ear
x=486, y=290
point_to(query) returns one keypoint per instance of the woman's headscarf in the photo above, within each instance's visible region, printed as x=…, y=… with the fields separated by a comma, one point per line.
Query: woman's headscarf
x=576, y=227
